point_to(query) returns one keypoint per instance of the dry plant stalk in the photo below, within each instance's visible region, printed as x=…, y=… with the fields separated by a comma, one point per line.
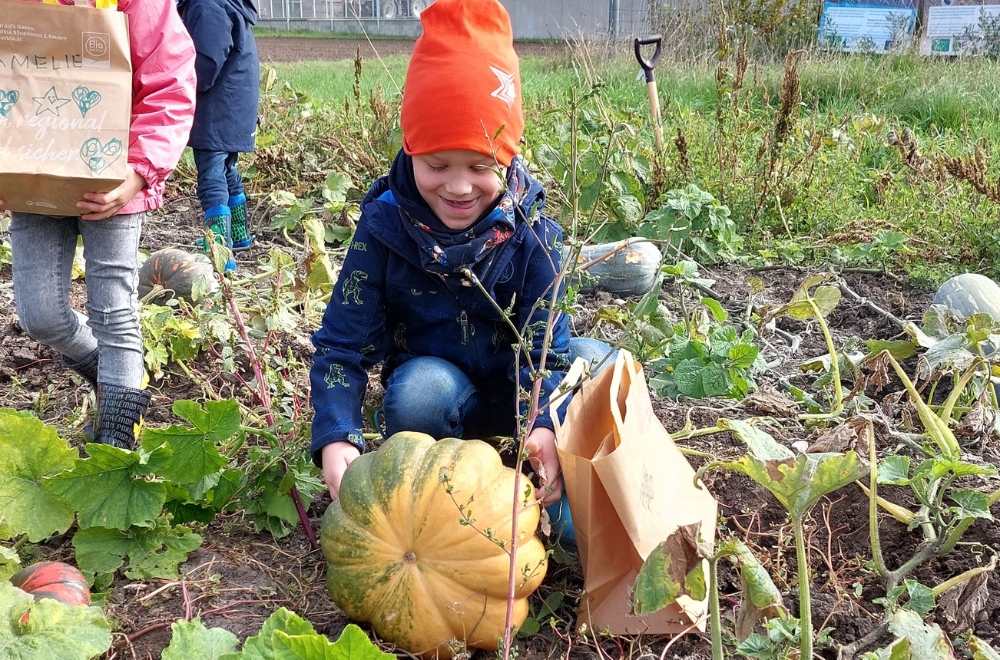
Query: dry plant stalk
x=789, y=99
x=974, y=171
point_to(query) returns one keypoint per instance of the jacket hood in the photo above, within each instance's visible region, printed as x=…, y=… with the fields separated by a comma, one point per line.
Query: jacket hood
x=246, y=8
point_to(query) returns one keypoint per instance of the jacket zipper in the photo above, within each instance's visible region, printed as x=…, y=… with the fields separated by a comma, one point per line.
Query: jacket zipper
x=463, y=320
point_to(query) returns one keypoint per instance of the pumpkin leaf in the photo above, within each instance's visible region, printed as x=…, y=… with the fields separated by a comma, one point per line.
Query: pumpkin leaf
x=921, y=598
x=46, y=629
x=10, y=563
x=153, y=552
x=971, y=503
x=29, y=452
x=261, y=646
x=898, y=650
x=192, y=456
x=319, y=269
x=899, y=349
x=218, y=420
x=799, y=481
x=109, y=488
x=672, y=569
x=927, y=642
x=760, y=599
x=353, y=644
x=191, y=639
x=981, y=650
x=894, y=471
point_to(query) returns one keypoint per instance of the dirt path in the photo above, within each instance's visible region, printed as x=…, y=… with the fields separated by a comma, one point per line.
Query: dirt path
x=298, y=49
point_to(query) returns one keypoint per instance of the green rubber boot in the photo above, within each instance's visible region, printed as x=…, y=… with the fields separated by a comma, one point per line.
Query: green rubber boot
x=219, y=220
x=240, y=230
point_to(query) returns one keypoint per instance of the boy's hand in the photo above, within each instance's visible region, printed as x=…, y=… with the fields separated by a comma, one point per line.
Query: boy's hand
x=100, y=206
x=544, y=459
x=336, y=457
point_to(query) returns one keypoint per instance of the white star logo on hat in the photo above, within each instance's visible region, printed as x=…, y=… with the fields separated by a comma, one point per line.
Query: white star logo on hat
x=506, y=91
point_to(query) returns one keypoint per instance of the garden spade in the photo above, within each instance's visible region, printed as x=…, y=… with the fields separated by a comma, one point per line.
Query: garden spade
x=647, y=68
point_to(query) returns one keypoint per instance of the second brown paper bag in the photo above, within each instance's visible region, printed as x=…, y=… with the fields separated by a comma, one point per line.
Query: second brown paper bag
x=629, y=488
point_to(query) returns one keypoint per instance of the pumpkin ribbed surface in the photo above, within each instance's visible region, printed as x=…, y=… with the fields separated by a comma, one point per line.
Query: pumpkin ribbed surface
x=401, y=558
x=53, y=579
x=174, y=272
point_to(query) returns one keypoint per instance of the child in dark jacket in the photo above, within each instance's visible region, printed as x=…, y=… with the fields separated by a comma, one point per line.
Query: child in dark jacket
x=225, y=121
x=457, y=202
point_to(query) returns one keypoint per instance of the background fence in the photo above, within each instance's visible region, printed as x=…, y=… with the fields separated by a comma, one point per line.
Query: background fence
x=531, y=19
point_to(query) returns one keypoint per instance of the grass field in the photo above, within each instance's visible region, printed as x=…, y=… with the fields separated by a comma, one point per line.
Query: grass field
x=809, y=173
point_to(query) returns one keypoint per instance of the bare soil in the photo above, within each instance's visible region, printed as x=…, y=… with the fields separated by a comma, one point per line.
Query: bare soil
x=238, y=577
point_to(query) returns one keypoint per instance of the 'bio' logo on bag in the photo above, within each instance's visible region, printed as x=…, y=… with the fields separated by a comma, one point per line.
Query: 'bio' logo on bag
x=96, y=50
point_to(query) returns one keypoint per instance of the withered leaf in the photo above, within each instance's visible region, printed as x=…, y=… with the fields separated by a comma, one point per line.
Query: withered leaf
x=852, y=435
x=960, y=605
x=771, y=401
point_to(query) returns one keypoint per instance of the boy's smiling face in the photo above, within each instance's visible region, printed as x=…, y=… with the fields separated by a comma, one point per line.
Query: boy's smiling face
x=459, y=185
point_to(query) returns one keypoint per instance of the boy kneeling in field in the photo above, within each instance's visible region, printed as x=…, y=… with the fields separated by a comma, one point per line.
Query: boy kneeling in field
x=457, y=201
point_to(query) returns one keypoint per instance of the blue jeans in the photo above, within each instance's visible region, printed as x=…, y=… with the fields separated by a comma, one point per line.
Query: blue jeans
x=43, y=249
x=433, y=396
x=218, y=179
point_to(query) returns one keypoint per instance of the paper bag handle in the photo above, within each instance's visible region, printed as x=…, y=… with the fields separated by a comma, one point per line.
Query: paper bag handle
x=625, y=365
x=573, y=378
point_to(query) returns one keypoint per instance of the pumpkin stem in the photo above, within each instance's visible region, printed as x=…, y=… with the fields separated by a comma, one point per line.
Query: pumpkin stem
x=410, y=558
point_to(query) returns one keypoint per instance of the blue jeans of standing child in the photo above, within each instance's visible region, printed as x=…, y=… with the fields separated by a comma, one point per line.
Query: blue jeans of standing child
x=218, y=180
x=43, y=250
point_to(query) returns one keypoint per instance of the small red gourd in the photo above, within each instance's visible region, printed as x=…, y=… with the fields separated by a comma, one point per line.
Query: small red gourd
x=172, y=272
x=53, y=579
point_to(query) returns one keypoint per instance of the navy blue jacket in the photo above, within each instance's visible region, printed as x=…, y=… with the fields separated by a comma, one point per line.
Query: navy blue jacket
x=225, y=117
x=386, y=307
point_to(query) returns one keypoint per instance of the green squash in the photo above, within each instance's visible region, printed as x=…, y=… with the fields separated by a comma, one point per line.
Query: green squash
x=969, y=294
x=171, y=272
x=632, y=271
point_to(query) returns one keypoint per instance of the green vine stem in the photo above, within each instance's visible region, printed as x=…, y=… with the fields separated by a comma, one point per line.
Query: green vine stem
x=877, y=558
x=949, y=404
x=964, y=577
x=805, y=602
x=713, y=607
x=838, y=391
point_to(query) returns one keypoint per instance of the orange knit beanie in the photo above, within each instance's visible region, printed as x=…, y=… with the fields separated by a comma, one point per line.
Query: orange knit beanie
x=463, y=83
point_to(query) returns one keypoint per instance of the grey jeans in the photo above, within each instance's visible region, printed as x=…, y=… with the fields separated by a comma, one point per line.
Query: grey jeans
x=43, y=249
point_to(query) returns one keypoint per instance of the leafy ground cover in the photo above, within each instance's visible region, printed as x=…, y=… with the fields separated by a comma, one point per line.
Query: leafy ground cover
x=776, y=173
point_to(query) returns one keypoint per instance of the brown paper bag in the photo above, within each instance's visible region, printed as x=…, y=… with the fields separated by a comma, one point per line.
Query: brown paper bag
x=629, y=487
x=65, y=104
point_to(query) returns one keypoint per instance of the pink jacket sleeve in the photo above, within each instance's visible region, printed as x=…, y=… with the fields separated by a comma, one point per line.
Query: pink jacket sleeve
x=163, y=95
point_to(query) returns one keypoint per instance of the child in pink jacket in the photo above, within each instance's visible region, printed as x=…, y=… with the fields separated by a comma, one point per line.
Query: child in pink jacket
x=105, y=345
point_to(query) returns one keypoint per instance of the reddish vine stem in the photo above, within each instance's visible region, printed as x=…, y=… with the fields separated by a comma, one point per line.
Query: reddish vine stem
x=187, y=601
x=265, y=401
x=160, y=625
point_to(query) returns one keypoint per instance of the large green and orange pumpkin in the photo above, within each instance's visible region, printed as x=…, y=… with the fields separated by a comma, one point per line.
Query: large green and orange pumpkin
x=53, y=579
x=406, y=558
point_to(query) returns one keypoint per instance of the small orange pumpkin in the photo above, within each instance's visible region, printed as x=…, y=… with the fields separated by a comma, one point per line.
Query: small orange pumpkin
x=53, y=579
